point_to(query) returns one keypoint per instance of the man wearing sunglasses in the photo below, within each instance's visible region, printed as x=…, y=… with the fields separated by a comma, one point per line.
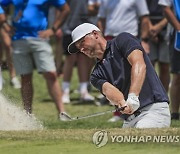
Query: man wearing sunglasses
x=125, y=76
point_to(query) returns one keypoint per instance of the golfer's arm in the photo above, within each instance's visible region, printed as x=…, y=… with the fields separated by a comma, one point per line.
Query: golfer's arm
x=138, y=71
x=113, y=94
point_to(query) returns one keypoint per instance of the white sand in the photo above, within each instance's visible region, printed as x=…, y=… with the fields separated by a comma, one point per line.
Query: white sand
x=14, y=118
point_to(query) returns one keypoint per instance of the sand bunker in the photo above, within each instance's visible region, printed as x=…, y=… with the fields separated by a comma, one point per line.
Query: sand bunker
x=14, y=118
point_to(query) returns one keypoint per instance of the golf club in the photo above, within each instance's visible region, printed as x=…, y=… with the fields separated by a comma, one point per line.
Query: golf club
x=95, y=114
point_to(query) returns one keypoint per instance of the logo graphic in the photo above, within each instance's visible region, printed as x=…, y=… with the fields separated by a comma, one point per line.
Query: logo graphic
x=100, y=138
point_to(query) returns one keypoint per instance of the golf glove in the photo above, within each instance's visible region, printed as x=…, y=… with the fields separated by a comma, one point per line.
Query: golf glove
x=133, y=101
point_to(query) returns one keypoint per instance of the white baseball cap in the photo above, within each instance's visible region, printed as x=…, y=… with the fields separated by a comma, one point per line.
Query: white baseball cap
x=78, y=33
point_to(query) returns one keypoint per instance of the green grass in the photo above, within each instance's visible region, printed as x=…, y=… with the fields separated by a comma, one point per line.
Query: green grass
x=76, y=136
x=80, y=141
x=70, y=147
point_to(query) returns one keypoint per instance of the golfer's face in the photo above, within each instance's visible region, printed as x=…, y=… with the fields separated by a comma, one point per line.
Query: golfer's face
x=85, y=45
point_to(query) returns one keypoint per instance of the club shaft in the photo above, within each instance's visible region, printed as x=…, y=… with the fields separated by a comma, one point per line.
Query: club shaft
x=94, y=115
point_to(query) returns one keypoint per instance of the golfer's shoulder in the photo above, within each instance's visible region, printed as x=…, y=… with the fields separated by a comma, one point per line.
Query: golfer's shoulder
x=123, y=38
x=124, y=35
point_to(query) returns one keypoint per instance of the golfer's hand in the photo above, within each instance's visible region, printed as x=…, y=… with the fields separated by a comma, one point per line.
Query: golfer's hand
x=132, y=102
x=126, y=108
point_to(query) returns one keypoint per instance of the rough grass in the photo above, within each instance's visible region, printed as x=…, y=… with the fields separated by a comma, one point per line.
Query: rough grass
x=83, y=134
x=79, y=141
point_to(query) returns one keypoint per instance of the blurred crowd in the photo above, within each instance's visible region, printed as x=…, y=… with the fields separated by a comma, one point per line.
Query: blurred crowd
x=27, y=28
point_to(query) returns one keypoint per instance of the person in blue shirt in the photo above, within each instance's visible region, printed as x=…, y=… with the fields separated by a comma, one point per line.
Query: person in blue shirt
x=30, y=17
x=1, y=12
x=31, y=46
x=125, y=76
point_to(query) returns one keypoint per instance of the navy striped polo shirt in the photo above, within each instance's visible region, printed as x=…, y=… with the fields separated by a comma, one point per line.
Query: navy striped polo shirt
x=115, y=69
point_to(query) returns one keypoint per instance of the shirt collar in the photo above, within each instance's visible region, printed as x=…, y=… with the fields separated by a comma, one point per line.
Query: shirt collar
x=108, y=44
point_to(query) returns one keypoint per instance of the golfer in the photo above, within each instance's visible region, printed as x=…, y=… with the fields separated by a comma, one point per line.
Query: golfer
x=124, y=75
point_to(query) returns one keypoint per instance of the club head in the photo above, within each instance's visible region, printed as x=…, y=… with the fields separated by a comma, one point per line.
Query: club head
x=66, y=116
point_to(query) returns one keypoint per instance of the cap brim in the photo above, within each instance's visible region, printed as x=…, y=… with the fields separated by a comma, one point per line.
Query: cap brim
x=72, y=48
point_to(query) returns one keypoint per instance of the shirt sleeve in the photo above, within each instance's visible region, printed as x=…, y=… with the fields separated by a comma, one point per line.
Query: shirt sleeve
x=102, y=10
x=97, y=80
x=5, y=2
x=1, y=10
x=126, y=43
x=91, y=2
x=142, y=8
x=58, y=3
x=166, y=2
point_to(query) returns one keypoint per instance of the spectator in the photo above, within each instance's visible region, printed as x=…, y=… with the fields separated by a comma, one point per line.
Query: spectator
x=159, y=50
x=93, y=8
x=7, y=46
x=77, y=16
x=124, y=72
x=174, y=19
x=30, y=43
x=57, y=41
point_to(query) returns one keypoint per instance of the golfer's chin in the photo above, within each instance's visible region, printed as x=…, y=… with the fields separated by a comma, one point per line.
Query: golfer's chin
x=90, y=55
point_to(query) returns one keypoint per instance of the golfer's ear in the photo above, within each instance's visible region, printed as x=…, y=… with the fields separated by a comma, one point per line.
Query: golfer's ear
x=95, y=33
